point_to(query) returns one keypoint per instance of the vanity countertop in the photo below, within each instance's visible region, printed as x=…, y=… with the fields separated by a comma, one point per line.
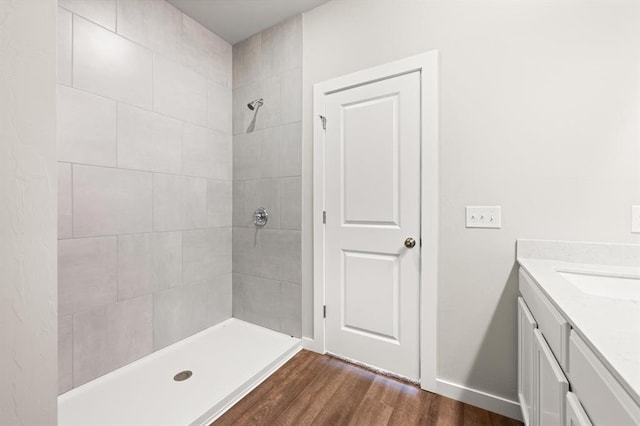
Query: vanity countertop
x=610, y=325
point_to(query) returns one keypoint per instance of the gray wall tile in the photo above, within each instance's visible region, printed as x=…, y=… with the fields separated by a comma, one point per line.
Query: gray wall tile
x=64, y=41
x=110, y=337
x=219, y=294
x=65, y=199
x=65, y=353
x=205, y=254
x=238, y=203
x=267, y=156
x=148, y=141
x=206, y=152
x=220, y=108
x=179, y=202
x=247, y=153
x=167, y=202
x=247, y=61
x=281, y=254
x=94, y=70
x=246, y=251
x=219, y=203
x=291, y=309
x=87, y=274
x=281, y=151
x=86, y=128
x=205, y=52
x=178, y=91
x=153, y=24
x=291, y=95
x=178, y=313
x=271, y=112
x=282, y=47
x=110, y=201
x=194, y=202
x=290, y=203
x=237, y=299
x=148, y=263
x=260, y=300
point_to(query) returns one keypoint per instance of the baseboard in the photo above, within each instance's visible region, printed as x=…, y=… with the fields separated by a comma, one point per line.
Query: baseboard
x=221, y=408
x=312, y=345
x=480, y=399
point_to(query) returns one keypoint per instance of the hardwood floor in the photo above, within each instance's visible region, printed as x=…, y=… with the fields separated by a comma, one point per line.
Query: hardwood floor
x=313, y=389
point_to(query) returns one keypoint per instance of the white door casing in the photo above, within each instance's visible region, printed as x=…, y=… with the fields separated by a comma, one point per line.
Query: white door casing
x=384, y=253
x=372, y=199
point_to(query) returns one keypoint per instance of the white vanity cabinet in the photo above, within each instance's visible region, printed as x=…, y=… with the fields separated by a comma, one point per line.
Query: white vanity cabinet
x=561, y=381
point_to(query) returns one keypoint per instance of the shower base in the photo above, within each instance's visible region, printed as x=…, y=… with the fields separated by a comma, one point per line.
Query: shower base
x=228, y=360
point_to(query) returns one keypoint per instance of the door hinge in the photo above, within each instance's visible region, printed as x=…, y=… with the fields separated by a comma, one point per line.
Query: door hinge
x=324, y=311
x=324, y=217
x=324, y=121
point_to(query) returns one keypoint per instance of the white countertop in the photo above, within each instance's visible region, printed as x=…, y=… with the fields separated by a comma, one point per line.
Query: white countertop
x=610, y=326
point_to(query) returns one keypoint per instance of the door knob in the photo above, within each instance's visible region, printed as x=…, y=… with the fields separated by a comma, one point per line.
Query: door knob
x=409, y=243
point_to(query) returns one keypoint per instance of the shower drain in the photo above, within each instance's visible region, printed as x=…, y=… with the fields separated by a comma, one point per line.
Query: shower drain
x=183, y=375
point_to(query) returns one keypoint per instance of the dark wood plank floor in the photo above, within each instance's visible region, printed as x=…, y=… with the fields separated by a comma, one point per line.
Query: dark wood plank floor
x=313, y=389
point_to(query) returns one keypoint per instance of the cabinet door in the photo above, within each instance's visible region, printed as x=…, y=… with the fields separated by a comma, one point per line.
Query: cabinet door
x=575, y=413
x=550, y=385
x=526, y=325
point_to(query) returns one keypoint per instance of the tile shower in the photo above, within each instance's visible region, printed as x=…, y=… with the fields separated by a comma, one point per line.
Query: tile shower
x=266, y=173
x=158, y=178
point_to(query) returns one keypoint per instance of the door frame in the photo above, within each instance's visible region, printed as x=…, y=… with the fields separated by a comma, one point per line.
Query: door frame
x=427, y=65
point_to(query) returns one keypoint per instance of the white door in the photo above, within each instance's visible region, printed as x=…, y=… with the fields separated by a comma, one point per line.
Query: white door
x=372, y=200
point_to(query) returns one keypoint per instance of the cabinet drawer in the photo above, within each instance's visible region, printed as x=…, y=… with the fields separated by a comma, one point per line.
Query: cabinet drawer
x=603, y=398
x=575, y=413
x=550, y=385
x=551, y=323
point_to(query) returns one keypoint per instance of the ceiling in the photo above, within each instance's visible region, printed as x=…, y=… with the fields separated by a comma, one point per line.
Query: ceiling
x=236, y=20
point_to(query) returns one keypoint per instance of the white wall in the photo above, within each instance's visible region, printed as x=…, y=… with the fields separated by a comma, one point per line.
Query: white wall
x=539, y=113
x=27, y=212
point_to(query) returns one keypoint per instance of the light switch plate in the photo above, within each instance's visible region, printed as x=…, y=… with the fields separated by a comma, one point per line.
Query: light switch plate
x=635, y=219
x=484, y=217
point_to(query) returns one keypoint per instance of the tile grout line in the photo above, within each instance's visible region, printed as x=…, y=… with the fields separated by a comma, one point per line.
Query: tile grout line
x=145, y=171
x=154, y=111
x=148, y=233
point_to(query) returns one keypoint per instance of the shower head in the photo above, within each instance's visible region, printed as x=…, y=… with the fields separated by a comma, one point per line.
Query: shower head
x=253, y=105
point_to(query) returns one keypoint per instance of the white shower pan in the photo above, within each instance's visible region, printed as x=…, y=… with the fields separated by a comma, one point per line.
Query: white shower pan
x=227, y=361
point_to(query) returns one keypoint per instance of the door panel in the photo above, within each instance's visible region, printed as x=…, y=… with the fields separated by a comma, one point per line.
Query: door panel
x=372, y=199
x=371, y=287
x=371, y=181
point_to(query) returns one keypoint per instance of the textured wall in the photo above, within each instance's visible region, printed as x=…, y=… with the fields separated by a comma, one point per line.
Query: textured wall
x=266, y=173
x=145, y=163
x=539, y=113
x=27, y=213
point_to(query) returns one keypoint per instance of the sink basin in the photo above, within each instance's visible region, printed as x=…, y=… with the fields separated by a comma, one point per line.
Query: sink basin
x=603, y=285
